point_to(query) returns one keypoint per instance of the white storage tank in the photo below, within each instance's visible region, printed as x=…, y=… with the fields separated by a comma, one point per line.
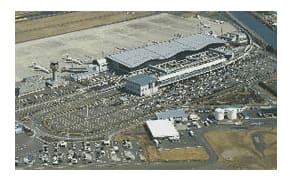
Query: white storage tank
x=232, y=114
x=219, y=114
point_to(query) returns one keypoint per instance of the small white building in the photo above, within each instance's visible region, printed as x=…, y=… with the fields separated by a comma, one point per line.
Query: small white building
x=236, y=38
x=18, y=129
x=162, y=129
x=193, y=117
x=241, y=37
x=142, y=85
x=103, y=64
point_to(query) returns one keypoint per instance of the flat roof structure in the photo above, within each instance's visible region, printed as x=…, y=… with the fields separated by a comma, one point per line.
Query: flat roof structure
x=89, y=71
x=135, y=57
x=30, y=84
x=175, y=113
x=142, y=79
x=162, y=129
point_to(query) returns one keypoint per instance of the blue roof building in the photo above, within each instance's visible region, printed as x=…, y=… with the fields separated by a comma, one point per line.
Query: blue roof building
x=176, y=115
x=141, y=84
x=142, y=79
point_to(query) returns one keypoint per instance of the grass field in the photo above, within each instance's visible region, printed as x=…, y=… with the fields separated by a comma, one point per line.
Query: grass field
x=236, y=149
x=192, y=153
x=64, y=23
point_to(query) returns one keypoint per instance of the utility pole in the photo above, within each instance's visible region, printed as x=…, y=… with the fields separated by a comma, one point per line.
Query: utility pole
x=87, y=110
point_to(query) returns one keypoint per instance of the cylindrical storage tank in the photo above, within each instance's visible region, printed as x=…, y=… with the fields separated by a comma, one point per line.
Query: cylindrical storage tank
x=219, y=114
x=232, y=114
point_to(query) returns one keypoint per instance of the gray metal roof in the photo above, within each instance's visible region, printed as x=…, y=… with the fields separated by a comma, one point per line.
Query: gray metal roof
x=135, y=57
x=176, y=113
x=166, y=49
x=84, y=75
x=141, y=79
x=89, y=71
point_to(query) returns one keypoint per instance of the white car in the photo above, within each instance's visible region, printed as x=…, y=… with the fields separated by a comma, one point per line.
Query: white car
x=63, y=144
x=191, y=133
x=54, y=160
x=74, y=161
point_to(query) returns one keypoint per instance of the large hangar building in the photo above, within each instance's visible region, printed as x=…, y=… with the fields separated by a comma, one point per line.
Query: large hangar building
x=178, y=48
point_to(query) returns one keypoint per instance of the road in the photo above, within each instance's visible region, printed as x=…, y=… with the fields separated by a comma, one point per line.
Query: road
x=38, y=14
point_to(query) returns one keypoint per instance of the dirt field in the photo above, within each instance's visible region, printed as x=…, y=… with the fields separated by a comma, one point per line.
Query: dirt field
x=60, y=24
x=236, y=148
x=270, y=139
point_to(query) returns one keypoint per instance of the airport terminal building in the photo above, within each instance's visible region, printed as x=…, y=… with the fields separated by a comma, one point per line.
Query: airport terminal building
x=156, y=53
x=170, y=61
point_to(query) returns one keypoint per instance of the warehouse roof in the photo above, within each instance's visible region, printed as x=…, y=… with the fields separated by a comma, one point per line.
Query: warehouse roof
x=137, y=56
x=141, y=79
x=176, y=113
x=162, y=129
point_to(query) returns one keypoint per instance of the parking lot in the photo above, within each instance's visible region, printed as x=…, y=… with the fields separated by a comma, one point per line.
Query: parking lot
x=85, y=152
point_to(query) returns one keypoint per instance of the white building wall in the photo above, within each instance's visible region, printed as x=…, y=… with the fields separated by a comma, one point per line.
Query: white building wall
x=146, y=91
x=19, y=130
x=141, y=90
x=190, y=69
